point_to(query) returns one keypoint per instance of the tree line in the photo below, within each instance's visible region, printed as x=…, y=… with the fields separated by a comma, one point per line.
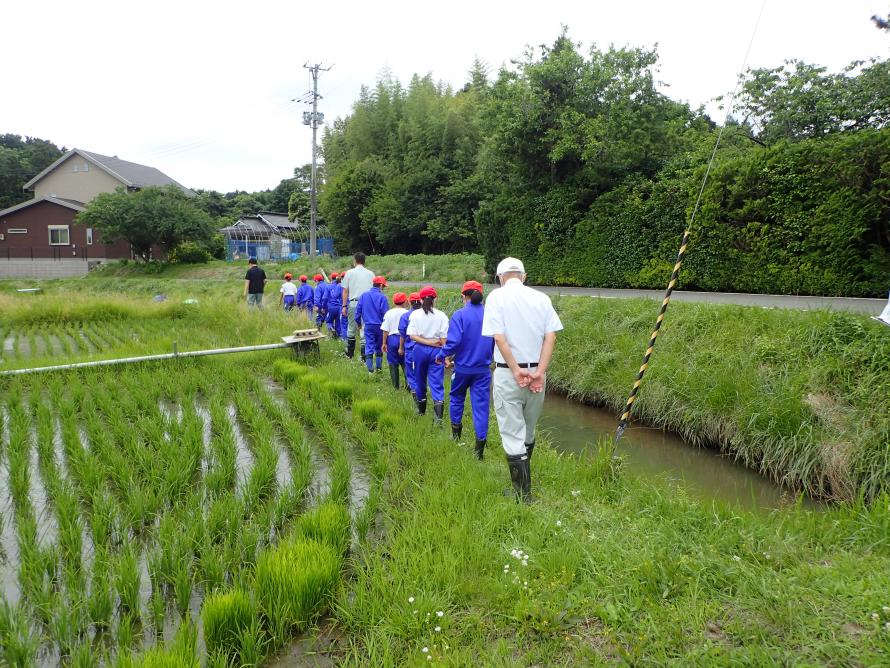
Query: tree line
x=576, y=162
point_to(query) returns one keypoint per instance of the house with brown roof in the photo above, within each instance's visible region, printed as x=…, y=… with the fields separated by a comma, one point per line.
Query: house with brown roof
x=40, y=238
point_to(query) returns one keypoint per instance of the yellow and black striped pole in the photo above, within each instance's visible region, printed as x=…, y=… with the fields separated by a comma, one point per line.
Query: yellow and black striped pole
x=625, y=415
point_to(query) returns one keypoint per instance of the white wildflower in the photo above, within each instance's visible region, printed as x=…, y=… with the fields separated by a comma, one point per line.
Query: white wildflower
x=410, y=599
x=875, y=616
x=437, y=629
x=425, y=650
x=559, y=523
x=736, y=557
x=440, y=614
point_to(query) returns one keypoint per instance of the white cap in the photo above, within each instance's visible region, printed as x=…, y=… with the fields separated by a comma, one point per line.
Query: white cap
x=509, y=264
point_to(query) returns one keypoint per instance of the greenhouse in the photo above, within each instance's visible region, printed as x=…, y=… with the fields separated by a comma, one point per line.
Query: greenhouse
x=271, y=236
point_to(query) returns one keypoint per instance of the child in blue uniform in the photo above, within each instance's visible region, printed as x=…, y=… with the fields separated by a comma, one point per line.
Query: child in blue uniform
x=389, y=329
x=428, y=327
x=470, y=354
x=371, y=308
x=407, y=344
x=305, y=296
x=321, y=299
x=288, y=293
x=335, y=303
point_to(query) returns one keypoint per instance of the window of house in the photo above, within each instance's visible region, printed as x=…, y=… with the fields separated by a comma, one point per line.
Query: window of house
x=58, y=235
x=17, y=230
x=81, y=166
x=89, y=236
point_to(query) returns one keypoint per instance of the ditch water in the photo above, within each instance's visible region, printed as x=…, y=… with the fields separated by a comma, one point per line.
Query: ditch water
x=654, y=454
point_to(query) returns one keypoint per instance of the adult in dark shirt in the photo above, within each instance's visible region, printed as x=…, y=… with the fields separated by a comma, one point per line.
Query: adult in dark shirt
x=254, y=284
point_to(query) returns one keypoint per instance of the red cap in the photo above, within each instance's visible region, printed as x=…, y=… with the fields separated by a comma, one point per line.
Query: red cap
x=303, y=278
x=428, y=291
x=379, y=280
x=334, y=274
x=399, y=298
x=318, y=277
x=471, y=285
x=288, y=276
x=414, y=297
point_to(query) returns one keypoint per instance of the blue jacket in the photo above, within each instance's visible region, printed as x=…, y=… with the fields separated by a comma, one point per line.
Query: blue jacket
x=371, y=308
x=403, y=329
x=472, y=352
x=321, y=295
x=304, y=294
x=335, y=296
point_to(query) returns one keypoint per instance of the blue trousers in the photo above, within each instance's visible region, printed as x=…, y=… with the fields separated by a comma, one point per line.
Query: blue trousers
x=392, y=350
x=373, y=346
x=409, y=367
x=479, y=385
x=333, y=321
x=343, y=325
x=289, y=301
x=426, y=368
x=319, y=317
x=310, y=309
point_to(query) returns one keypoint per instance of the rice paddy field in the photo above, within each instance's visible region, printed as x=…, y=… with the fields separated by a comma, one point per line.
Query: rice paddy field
x=258, y=509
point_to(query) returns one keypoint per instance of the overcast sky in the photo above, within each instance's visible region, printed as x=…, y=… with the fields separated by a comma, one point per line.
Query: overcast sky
x=202, y=89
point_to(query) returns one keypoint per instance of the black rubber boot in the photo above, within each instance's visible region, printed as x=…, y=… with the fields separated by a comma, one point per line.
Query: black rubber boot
x=421, y=406
x=350, y=348
x=480, y=448
x=520, y=476
x=438, y=412
x=529, y=449
x=456, y=430
x=394, y=375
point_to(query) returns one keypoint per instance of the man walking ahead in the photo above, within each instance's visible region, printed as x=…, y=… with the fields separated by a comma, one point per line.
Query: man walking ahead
x=254, y=284
x=356, y=282
x=524, y=325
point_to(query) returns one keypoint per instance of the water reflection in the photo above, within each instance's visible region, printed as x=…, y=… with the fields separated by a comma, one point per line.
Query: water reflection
x=652, y=453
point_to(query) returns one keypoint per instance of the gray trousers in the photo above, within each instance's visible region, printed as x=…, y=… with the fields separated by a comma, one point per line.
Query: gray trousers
x=517, y=410
x=352, y=330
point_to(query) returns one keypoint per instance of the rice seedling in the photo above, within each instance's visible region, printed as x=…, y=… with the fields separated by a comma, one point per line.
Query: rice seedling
x=100, y=602
x=327, y=523
x=68, y=625
x=20, y=643
x=370, y=411
x=83, y=657
x=226, y=615
x=182, y=587
x=127, y=581
x=294, y=581
x=125, y=632
x=288, y=372
x=252, y=642
x=340, y=391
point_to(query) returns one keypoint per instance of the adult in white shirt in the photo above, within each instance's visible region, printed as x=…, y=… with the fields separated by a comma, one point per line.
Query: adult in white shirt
x=355, y=282
x=428, y=328
x=523, y=323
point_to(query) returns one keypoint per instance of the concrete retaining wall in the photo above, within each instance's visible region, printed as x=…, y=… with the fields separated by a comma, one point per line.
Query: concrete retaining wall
x=44, y=268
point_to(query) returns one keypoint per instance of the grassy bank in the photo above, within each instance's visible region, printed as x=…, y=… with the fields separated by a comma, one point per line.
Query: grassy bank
x=803, y=397
x=436, y=268
x=602, y=569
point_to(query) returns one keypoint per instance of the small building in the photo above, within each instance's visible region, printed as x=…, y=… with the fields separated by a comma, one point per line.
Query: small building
x=271, y=236
x=40, y=238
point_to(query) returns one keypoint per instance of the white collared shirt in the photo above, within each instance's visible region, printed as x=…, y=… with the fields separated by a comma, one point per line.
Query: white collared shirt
x=391, y=319
x=432, y=325
x=523, y=315
x=358, y=281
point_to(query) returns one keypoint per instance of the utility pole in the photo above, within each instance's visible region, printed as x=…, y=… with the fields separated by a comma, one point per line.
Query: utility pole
x=313, y=119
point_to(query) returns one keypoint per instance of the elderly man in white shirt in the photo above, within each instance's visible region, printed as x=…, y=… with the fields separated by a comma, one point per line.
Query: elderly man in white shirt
x=354, y=283
x=523, y=323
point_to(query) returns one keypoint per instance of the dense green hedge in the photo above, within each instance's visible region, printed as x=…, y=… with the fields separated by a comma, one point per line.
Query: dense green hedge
x=810, y=217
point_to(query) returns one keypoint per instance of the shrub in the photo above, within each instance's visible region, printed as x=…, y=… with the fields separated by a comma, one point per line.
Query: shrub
x=226, y=616
x=293, y=582
x=327, y=523
x=189, y=252
x=370, y=411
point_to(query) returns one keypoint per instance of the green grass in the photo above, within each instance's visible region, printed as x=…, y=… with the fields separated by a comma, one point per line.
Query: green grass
x=226, y=616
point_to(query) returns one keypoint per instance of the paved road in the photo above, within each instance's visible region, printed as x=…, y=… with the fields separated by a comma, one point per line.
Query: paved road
x=870, y=306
